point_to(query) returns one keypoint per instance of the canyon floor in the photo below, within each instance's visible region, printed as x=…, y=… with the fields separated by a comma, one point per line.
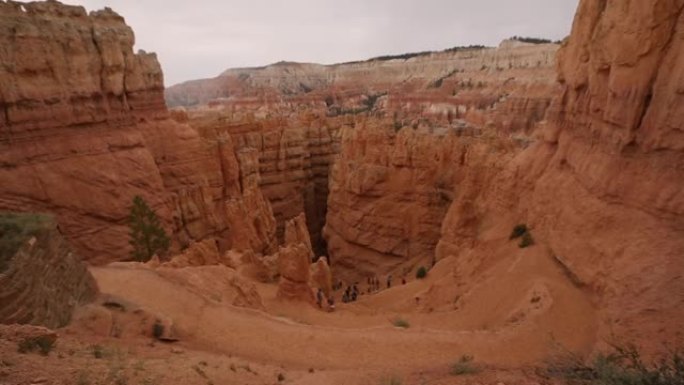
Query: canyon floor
x=532, y=312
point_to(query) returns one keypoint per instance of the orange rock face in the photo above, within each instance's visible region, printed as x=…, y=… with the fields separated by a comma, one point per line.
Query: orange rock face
x=202, y=253
x=296, y=126
x=602, y=187
x=294, y=260
x=345, y=86
x=291, y=155
x=611, y=199
x=297, y=232
x=321, y=276
x=293, y=265
x=81, y=137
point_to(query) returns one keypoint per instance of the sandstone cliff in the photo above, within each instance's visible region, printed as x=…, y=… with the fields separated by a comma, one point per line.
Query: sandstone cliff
x=611, y=198
x=291, y=153
x=391, y=190
x=84, y=128
x=294, y=263
x=602, y=187
x=596, y=173
x=371, y=76
x=293, y=114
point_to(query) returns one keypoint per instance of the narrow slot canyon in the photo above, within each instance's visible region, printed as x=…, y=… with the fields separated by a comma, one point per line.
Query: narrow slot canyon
x=376, y=171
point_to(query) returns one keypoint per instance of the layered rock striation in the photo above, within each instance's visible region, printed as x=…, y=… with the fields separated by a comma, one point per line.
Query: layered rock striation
x=293, y=114
x=84, y=128
x=292, y=155
x=391, y=190
x=602, y=186
x=340, y=81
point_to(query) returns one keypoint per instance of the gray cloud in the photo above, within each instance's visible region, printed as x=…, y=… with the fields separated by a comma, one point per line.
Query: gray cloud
x=202, y=38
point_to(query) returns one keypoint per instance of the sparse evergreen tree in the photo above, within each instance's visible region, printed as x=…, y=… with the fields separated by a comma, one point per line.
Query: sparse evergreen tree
x=147, y=235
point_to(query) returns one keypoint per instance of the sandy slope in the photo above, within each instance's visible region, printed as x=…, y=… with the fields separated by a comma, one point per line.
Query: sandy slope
x=510, y=318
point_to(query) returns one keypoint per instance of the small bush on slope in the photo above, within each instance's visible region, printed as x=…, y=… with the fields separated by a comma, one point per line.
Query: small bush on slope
x=518, y=231
x=401, y=323
x=15, y=229
x=464, y=366
x=526, y=240
x=42, y=344
x=622, y=366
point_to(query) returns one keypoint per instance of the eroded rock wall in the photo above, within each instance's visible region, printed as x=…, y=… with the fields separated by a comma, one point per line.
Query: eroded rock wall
x=602, y=187
x=391, y=190
x=292, y=114
x=292, y=156
x=84, y=128
x=611, y=200
x=593, y=165
x=347, y=80
x=424, y=147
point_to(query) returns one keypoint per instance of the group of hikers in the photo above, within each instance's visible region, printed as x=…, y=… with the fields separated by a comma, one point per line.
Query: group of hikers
x=351, y=292
x=374, y=283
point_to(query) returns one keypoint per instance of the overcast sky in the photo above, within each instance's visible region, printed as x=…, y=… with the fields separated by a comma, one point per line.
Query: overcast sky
x=200, y=39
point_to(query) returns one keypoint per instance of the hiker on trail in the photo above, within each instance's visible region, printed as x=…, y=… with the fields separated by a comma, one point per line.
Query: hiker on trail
x=355, y=292
x=389, y=281
x=319, y=298
x=331, y=304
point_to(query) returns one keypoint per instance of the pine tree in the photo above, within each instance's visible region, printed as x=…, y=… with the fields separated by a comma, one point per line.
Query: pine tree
x=147, y=235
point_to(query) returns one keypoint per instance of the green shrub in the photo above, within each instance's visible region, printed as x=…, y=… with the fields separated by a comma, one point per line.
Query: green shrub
x=401, y=323
x=421, y=272
x=147, y=235
x=464, y=366
x=532, y=40
x=622, y=366
x=157, y=330
x=42, y=344
x=526, y=240
x=15, y=229
x=518, y=231
x=98, y=351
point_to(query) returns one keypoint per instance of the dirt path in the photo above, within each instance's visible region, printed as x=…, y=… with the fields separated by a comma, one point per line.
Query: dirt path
x=360, y=336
